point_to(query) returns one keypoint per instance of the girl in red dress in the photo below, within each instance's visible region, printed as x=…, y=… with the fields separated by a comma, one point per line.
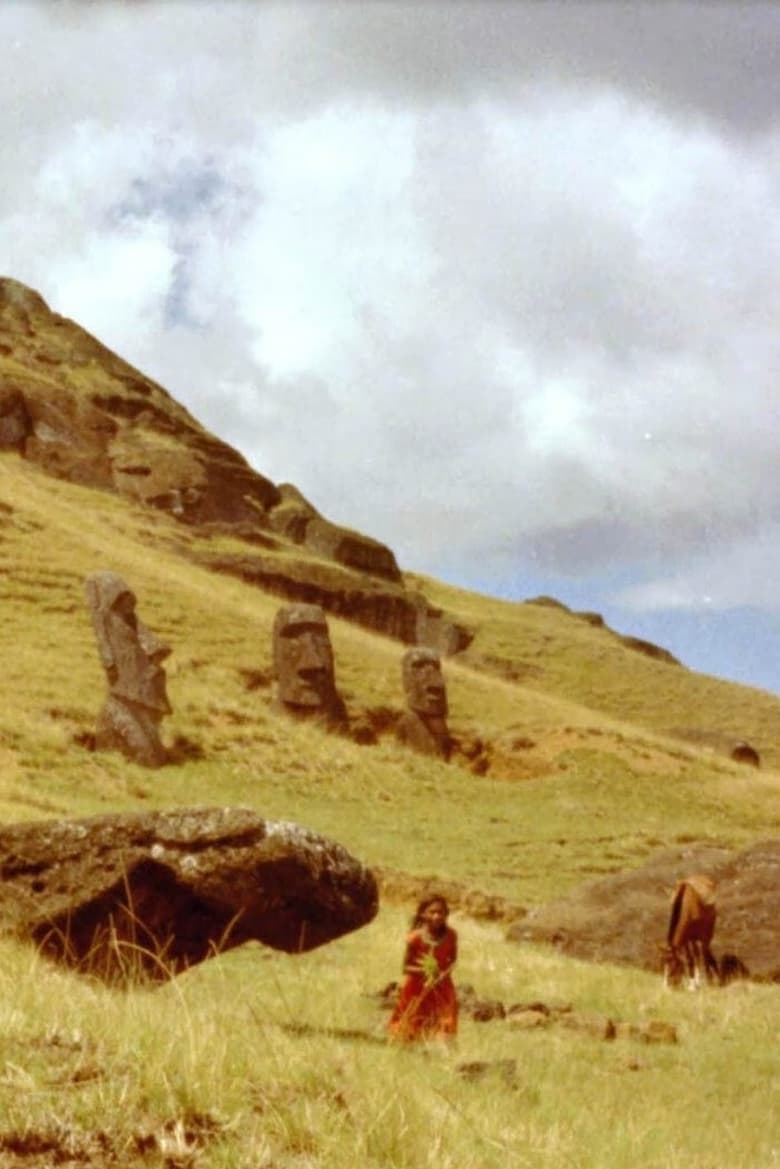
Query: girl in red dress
x=427, y=1006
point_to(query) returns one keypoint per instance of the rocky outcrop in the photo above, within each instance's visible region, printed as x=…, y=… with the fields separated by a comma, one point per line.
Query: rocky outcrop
x=82, y=413
x=637, y=644
x=377, y=605
x=624, y=918
x=149, y=895
x=70, y=405
x=15, y=421
x=649, y=649
x=296, y=519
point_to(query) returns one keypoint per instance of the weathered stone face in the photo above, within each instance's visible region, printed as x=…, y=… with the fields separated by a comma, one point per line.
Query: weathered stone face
x=132, y=657
x=426, y=693
x=424, y=725
x=303, y=662
x=149, y=895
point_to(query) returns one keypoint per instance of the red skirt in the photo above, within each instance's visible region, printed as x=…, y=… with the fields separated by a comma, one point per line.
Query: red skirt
x=424, y=1011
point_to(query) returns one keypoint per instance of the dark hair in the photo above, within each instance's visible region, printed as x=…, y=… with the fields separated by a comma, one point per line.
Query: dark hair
x=428, y=900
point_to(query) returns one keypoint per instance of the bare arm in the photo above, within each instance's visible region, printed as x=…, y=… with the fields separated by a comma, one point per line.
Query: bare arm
x=410, y=966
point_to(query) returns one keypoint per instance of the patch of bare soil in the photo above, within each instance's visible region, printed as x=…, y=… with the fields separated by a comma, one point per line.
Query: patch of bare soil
x=518, y=757
x=58, y=1144
x=174, y=1144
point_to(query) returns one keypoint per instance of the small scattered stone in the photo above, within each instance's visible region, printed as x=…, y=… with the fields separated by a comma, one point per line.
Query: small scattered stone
x=528, y=1020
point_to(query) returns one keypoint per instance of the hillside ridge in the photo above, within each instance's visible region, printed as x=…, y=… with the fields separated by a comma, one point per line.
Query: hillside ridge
x=74, y=408
x=82, y=415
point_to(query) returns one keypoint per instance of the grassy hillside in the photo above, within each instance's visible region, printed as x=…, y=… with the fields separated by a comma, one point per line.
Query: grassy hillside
x=548, y=648
x=585, y=777
x=574, y=769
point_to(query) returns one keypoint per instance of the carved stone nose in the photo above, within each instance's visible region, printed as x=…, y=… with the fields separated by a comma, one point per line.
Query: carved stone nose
x=151, y=644
x=310, y=656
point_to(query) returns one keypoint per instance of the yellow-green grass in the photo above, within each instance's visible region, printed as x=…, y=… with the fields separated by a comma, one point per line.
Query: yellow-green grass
x=593, y=793
x=556, y=651
x=243, y=1063
x=263, y=1060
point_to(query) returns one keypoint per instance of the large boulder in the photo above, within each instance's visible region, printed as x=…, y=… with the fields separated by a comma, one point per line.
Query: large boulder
x=151, y=894
x=298, y=520
x=624, y=918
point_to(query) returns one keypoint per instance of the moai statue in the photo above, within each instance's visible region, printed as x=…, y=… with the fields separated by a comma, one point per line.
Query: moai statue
x=303, y=663
x=424, y=725
x=132, y=657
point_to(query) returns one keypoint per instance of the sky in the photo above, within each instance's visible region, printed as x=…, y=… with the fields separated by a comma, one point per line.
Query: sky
x=497, y=284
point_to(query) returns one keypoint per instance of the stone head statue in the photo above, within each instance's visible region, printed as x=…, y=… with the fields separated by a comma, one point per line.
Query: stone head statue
x=424, y=726
x=132, y=657
x=303, y=663
x=426, y=693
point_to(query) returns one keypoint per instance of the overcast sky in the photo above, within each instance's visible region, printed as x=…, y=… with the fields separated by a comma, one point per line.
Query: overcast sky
x=498, y=284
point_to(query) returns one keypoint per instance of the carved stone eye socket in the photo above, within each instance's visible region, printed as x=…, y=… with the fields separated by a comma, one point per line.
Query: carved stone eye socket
x=302, y=630
x=124, y=607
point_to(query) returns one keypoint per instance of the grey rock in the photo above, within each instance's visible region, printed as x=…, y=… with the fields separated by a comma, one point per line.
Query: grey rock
x=148, y=895
x=423, y=727
x=304, y=668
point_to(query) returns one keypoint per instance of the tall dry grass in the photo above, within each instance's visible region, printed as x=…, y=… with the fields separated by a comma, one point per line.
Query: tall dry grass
x=261, y=1059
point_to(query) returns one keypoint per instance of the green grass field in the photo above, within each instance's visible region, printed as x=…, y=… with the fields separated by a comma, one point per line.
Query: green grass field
x=258, y=1060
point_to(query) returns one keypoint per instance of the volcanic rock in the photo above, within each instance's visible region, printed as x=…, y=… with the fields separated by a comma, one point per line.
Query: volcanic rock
x=375, y=604
x=80, y=412
x=743, y=752
x=423, y=726
x=298, y=520
x=148, y=895
x=132, y=657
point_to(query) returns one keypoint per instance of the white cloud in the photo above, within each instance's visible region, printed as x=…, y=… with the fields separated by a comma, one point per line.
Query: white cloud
x=496, y=287
x=743, y=572
x=119, y=281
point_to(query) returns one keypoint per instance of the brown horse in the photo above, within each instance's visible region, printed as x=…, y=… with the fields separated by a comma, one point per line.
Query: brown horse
x=691, y=926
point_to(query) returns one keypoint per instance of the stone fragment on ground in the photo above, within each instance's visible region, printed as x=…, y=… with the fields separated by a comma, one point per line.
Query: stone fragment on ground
x=151, y=894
